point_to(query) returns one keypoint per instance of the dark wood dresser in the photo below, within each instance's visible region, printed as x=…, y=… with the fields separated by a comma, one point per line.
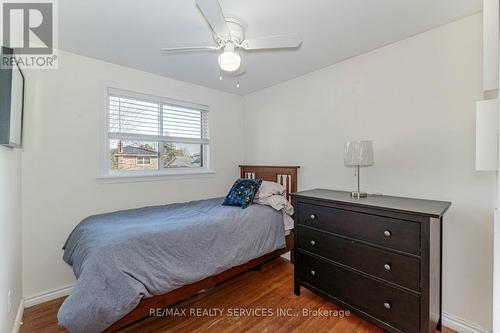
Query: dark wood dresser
x=379, y=257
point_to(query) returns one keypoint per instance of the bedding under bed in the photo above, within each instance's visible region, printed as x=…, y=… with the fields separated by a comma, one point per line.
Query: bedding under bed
x=121, y=257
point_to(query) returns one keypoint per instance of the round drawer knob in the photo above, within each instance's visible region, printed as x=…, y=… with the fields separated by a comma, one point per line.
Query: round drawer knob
x=387, y=233
x=313, y=273
x=313, y=243
x=312, y=216
x=387, y=305
x=387, y=267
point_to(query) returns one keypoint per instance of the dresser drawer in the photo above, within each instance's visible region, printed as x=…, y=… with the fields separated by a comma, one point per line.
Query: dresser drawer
x=386, y=265
x=395, y=307
x=389, y=232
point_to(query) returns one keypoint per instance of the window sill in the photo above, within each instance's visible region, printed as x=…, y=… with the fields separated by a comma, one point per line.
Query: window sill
x=133, y=177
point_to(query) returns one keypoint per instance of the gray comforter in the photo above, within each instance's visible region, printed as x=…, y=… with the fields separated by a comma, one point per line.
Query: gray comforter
x=120, y=258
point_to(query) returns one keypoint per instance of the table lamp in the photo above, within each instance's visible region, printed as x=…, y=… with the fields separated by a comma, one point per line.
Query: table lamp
x=358, y=154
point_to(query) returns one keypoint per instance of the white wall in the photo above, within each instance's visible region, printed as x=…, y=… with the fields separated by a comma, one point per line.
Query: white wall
x=64, y=125
x=416, y=100
x=10, y=235
x=496, y=268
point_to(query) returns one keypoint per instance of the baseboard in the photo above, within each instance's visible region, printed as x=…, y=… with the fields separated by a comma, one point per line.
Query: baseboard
x=461, y=325
x=19, y=318
x=47, y=296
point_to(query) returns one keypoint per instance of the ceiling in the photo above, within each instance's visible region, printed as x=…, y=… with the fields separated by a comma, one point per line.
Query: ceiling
x=130, y=33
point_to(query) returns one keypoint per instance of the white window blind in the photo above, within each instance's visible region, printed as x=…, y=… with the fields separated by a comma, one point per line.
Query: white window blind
x=173, y=134
x=130, y=118
x=182, y=122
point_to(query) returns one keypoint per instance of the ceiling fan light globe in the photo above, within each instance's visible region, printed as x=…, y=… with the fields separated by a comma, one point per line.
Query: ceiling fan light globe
x=229, y=61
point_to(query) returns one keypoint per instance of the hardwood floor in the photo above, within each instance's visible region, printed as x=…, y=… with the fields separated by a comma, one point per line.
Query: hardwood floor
x=262, y=292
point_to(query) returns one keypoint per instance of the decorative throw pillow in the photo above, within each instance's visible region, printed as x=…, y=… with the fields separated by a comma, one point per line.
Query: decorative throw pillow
x=242, y=192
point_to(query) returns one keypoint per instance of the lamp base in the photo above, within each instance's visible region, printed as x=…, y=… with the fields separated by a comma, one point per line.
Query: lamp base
x=357, y=194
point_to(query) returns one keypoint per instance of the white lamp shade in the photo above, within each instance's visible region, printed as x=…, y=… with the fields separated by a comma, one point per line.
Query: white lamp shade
x=358, y=153
x=229, y=61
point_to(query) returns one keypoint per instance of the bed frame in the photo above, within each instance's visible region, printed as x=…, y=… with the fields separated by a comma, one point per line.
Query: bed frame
x=285, y=175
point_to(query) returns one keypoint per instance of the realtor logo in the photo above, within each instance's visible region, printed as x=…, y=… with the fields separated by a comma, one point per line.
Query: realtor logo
x=29, y=29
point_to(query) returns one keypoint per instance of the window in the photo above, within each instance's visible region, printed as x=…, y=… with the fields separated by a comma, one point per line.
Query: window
x=143, y=160
x=148, y=133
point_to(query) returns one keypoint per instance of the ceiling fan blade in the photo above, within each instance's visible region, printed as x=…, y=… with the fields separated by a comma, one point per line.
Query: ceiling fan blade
x=212, y=11
x=190, y=48
x=272, y=42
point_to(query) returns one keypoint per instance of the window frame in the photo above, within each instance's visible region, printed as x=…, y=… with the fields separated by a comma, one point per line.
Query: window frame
x=108, y=173
x=143, y=160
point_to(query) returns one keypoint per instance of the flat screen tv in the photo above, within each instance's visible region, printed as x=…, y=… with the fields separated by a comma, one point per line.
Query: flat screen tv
x=11, y=100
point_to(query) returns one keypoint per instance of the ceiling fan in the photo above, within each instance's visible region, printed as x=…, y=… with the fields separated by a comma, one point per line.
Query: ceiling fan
x=229, y=35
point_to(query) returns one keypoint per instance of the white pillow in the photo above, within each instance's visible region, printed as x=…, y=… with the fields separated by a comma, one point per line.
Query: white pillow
x=268, y=189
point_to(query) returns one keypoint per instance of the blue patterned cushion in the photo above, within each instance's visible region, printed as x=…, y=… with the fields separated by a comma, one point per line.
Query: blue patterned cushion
x=242, y=192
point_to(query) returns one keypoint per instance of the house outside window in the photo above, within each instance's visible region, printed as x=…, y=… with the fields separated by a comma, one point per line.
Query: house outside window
x=156, y=135
x=143, y=160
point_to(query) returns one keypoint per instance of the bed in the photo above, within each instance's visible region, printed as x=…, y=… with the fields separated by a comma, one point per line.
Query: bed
x=131, y=261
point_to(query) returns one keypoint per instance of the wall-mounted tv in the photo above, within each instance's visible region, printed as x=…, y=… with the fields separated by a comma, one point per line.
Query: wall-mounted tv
x=11, y=100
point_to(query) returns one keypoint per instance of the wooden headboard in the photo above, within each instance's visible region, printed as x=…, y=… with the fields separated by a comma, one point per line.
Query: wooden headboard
x=284, y=175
